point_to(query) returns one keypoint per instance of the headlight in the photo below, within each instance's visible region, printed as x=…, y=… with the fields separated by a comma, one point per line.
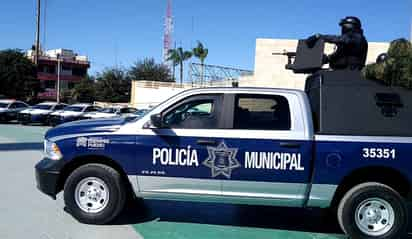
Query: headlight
x=51, y=150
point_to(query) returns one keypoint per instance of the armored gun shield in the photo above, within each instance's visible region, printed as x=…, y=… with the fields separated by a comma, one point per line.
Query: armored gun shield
x=308, y=60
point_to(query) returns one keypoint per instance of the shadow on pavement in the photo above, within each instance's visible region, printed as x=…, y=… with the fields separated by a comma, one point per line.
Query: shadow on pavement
x=21, y=146
x=265, y=217
x=294, y=219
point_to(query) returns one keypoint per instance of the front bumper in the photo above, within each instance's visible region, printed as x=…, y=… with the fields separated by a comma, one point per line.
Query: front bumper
x=47, y=173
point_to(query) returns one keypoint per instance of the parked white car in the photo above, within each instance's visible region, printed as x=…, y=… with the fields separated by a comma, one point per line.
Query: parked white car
x=111, y=112
x=71, y=113
x=39, y=113
x=10, y=108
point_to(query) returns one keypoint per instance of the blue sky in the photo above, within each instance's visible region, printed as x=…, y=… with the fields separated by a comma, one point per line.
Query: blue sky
x=124, y=31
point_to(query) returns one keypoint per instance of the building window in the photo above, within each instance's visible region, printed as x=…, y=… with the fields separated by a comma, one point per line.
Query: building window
x=79, y=72
x=49, y=84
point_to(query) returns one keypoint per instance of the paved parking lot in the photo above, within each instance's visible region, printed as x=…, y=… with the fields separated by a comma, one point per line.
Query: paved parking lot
x=27, y=213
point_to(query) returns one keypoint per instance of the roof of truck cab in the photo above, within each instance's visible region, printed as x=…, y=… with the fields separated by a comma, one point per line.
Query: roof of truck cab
x=244, y=89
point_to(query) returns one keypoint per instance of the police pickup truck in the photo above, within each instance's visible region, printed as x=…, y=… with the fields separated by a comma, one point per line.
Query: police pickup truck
x=233, y=145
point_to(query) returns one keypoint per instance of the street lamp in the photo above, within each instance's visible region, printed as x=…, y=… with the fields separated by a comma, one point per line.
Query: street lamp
x=58, y=79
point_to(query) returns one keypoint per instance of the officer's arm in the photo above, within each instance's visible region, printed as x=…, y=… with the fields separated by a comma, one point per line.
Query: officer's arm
x=334, y=39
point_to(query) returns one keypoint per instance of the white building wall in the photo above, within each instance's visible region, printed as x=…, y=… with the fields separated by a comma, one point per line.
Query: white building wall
x=270, y=69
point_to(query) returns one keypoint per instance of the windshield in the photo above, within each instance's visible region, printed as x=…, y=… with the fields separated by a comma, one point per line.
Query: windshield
x=42, y=107
x=108, y=110
x=3, y=105
x=141, y=112
x=74, y=108
x=152, y=109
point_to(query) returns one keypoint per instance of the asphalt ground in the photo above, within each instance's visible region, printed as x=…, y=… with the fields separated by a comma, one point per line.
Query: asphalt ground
x=27, y=213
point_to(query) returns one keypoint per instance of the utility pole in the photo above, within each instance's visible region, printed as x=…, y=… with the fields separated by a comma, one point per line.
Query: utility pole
x=37, y=45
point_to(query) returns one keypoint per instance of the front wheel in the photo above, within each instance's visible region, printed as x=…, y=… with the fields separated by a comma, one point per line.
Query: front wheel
x=94, y=194
x=373, y=210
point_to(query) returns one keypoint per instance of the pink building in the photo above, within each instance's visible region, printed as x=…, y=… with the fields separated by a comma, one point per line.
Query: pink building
x=72, y=69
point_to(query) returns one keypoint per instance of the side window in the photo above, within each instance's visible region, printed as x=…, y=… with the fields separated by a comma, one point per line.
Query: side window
x=13, y=106
x=198, y=113
x=130, y=110
x=261, y=112
x=89, y=109
x=21, y=105
x=124, y=110
x=59, y=107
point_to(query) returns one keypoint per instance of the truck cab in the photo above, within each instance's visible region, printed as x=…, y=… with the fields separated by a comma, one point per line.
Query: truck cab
x=237, y=144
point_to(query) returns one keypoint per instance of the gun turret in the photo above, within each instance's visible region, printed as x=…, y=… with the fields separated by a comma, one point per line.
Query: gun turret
x=291, y=57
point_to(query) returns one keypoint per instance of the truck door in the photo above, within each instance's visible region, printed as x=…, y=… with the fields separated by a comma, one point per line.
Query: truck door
x=170, y=159
x=271, y=149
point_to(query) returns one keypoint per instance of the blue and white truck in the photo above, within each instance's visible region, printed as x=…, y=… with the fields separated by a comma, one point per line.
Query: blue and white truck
x=238, y=145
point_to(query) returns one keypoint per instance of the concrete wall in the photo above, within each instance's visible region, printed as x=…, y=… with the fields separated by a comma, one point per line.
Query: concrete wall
x=146, y=94
x=270, y=70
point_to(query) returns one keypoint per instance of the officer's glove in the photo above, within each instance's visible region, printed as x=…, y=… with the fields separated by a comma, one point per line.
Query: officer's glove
x=311, y=41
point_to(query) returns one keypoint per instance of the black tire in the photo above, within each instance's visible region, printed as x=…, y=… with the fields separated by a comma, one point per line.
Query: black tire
x=355, y=197
x=116, y=190
x=3, y=119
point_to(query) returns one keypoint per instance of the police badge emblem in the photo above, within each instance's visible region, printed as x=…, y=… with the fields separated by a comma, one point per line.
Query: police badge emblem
x=222, y=160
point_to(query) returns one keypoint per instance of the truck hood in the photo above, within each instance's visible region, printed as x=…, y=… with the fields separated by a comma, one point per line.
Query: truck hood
x=26, y=111
x=67, y=113
x=86, y=126
x=100, y=115
x=38, y=112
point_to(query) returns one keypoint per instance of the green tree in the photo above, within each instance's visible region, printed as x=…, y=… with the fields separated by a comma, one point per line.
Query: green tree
x=84, y=91
x=113, y=85
x=17, y=75
x=179, y=56
x=397, y=69
x=201, y=53
x=149, y=70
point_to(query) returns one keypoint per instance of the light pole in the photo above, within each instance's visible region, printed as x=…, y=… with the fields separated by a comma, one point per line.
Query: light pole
x=58, y=79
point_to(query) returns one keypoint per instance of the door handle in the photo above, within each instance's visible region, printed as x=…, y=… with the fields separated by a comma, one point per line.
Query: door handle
x=290, y=145
x=206, y=142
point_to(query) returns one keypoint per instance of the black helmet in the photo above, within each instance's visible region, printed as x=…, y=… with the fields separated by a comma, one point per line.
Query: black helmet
x=382, y=58
x=350, y=23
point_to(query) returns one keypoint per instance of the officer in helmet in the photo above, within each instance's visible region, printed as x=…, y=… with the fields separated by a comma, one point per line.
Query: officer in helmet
x=352, y=46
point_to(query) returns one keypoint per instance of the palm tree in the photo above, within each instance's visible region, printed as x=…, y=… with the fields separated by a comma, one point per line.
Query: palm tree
x=178, y=57
x=201, y=53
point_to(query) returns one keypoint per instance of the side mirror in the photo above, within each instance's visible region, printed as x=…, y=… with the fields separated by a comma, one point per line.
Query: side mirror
x=156, y=120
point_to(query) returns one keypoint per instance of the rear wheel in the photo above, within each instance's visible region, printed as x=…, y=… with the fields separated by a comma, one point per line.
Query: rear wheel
x=373, y=210
x=94, y=194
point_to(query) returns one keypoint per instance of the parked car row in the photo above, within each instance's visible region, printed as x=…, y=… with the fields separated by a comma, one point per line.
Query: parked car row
x=53, y=113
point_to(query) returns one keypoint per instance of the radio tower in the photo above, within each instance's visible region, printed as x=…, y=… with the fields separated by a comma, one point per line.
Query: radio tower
x=410, y=36
x=168, y=31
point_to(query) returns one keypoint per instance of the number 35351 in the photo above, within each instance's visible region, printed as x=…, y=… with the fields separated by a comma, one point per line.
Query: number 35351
x=378, y=153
